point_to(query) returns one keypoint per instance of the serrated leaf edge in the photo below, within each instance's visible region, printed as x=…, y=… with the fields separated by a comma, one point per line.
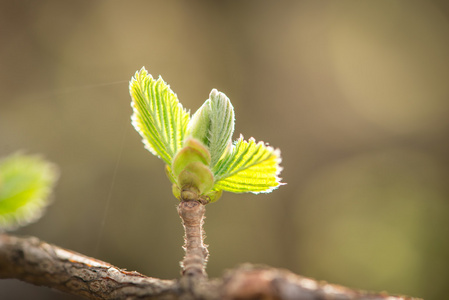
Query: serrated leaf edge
x=162, y=141
x=273, y=152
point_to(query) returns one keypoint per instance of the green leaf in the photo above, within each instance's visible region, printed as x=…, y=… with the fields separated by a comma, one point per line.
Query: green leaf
x=25, y=186
x=199, y=125
x=157, y=115
x=213, y=125
x=250, y=167
x=222, y=125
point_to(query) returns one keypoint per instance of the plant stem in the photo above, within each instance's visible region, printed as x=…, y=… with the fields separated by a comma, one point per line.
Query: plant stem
x=196, y=254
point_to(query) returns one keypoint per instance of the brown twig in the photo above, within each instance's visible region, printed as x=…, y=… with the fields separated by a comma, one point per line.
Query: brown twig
x=37, y=262
x=196, y=253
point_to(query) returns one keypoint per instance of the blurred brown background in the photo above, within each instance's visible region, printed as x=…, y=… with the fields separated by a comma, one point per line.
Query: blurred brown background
x=354, y=93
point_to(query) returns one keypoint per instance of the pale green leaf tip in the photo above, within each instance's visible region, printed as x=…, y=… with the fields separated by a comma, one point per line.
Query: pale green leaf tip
x=213, y=125
x=26, y=183
x=223, y=122
x=199, y=125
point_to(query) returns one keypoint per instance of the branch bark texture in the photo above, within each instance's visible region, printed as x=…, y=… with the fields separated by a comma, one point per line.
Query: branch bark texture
x=39, y=263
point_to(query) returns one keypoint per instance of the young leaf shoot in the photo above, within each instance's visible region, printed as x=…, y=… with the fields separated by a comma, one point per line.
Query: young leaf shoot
x=26, y=183
x=201, y=159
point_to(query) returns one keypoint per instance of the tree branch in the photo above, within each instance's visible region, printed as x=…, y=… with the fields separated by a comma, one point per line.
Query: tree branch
x=39, y=263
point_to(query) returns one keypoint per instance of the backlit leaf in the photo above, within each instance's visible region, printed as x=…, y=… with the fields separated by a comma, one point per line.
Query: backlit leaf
x=157, y=115
x=213, y=125
x=222, y=125
x=250, y=167
x=25, y=186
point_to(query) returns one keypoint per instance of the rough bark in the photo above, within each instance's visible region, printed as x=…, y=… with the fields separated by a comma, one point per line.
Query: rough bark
x=39, y=263
x=36, y=262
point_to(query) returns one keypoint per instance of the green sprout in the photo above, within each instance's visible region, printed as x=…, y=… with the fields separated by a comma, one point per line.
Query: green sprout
x=201, y=160
x=26, y=183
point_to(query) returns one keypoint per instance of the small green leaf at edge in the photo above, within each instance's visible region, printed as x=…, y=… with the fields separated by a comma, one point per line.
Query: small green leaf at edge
x=158, y=116
x=250, y=167
x=26, y=182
